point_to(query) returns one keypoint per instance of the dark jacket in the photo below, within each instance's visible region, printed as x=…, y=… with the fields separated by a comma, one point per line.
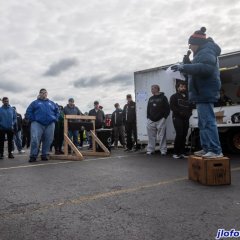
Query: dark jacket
x=129, y=112
x=42, y=111
x=67, y=110
x=25, y=125
x=8, y=118
x=19, y=122
x=117, y=118
x=100, y=117
x=180, y=106
x=204, y=76
x=158, y=107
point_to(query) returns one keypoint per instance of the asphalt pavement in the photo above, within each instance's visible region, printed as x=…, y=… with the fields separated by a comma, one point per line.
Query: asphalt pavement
x=128, y=196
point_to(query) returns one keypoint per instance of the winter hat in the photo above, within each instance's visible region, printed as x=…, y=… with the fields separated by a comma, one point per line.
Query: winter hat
x=198, y=37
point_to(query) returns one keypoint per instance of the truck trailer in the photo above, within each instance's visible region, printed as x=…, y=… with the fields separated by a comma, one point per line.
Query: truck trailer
x=228, y=117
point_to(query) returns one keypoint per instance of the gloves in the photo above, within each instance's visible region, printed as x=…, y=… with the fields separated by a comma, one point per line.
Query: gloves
x=178, y=67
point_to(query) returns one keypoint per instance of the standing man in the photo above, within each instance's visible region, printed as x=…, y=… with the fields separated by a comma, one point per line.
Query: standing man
x=71, y=109
x=129, y=115
x=118, y=127
x=99, y=114
x=8, y=120
x=204, y=86
x=42, y=113
x=100, y=118
x=181, y=112
x=157, y=112
x=18, y=134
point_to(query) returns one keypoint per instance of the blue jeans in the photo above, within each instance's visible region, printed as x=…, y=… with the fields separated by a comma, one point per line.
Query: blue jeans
x=74, y=136
x=209, y=137
x=41, y=134
x=18, y=140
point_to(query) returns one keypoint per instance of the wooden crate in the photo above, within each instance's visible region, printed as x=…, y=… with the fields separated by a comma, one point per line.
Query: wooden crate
x=209, y=171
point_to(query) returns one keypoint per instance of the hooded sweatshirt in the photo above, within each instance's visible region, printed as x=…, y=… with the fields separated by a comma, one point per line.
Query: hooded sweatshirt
x=158, y=107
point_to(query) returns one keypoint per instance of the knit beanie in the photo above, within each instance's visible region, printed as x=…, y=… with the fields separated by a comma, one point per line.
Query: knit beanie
x=198, y=37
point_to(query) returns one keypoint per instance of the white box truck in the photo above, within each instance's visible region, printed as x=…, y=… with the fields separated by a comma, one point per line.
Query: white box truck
x=228, y=117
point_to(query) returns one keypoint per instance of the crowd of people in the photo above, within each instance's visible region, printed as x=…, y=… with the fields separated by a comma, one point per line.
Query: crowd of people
x=43, y=121
x=42, y=127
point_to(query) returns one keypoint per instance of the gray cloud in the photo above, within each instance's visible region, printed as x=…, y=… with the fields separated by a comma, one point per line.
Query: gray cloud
x=125, y=79
x=12, y=87
x=63, y=65
x=111, y=40
x=59, y=98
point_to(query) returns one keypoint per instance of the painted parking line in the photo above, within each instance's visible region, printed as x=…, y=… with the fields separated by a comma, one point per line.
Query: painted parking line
x=94, y=197
x=61, y=162
x=98, y=196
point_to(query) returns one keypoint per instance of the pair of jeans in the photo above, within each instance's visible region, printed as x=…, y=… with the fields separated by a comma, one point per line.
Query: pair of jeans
x=18, y=140
x=207, y=124
x=41, y=134
x=73, y=134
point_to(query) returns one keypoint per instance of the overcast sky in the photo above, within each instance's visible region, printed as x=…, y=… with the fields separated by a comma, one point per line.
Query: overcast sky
x=89, y=49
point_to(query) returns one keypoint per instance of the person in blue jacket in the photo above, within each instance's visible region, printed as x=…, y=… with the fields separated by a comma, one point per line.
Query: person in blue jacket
x=42, y=113
x=204, y=89
x=8, y=120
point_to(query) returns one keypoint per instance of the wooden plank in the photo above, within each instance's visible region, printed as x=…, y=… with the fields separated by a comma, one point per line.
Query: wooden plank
x=93, y=139
x=65, y=133
x=100, y=143
x=91, y=153
x=64, y=157
x=73, y=147
x=80, y=117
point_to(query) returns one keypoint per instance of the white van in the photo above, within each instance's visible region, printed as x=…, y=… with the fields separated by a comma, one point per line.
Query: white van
x=228, y=117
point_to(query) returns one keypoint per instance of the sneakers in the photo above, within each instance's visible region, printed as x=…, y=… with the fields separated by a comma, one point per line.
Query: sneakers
x=163, y=154
x=200, y=153
x=10, y=155
x=1, y=156
x=21, y=151
x=149, y=153
x=177, y=156
x=212, y=155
